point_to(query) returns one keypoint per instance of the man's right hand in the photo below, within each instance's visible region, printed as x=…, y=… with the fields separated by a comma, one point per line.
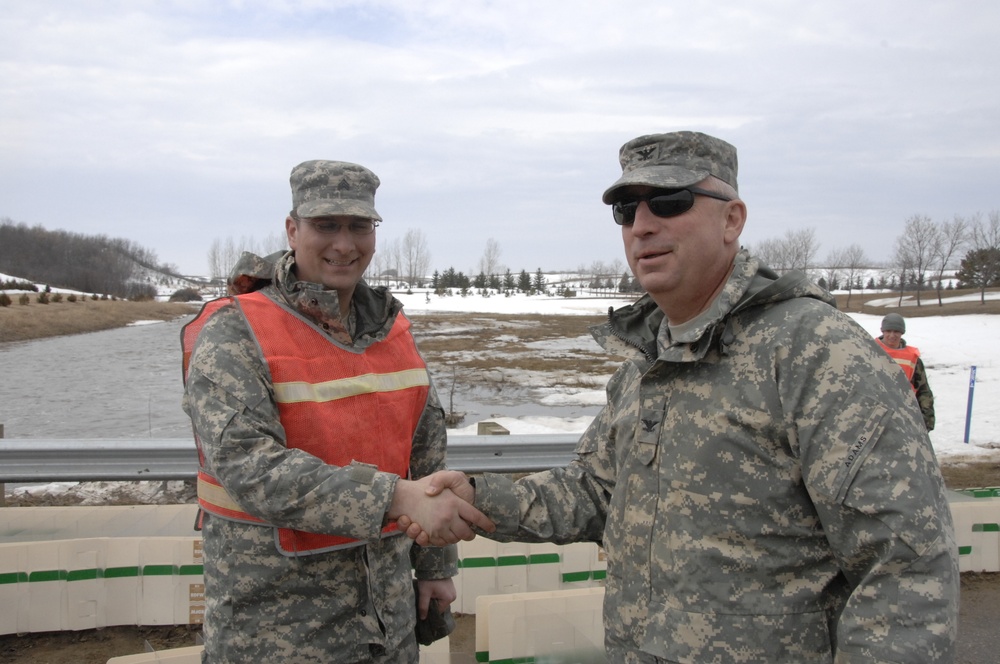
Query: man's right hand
x=437, y=509
x=444, y=482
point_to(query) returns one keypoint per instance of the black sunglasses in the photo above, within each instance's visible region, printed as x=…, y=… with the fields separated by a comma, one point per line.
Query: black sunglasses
x=669, y=204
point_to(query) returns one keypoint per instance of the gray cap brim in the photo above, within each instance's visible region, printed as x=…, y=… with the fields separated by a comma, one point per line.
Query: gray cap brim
x=661, y=177
x=334, y=208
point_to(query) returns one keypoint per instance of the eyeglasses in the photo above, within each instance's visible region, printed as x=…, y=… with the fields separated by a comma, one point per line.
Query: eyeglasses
x=356, y=226
x=670, y=204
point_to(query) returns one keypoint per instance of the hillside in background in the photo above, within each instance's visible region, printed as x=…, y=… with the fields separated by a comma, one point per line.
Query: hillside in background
x=120, y=268
x=88, y=264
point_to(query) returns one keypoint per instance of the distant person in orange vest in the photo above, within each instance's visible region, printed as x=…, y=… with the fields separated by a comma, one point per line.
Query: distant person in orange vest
x=908, y=358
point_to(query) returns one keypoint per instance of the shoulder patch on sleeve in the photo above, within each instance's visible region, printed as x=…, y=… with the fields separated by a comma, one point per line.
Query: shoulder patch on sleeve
x=845, y=459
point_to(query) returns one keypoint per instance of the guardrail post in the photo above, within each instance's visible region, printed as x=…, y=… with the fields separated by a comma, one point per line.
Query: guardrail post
x=491, y=429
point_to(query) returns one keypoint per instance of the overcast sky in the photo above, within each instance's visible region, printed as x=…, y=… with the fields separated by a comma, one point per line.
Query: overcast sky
x=173, y=124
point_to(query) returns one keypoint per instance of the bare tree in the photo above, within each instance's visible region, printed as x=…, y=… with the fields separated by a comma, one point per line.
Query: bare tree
x=802, y=248
x=223, y=254
x=489, y=264
x=902, y=263
x=617, y=267
x=952, y=237
x=834, y=262
x=215, y=261
x=416, y=258
x=854, y=261
x=771, y=253
x=796, y=251
x=593, y=274
x=915, y=251
x=385, y=263
x=377, y=267
x=986, y=241
x=273, y=243
x=391, y=263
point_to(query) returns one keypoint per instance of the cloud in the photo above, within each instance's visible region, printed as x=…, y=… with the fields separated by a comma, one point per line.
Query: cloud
x=174, y=123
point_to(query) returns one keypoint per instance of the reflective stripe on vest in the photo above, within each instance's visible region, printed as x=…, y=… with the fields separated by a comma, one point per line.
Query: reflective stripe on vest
x=906, y=357
x=211, y=493
x=372, y=399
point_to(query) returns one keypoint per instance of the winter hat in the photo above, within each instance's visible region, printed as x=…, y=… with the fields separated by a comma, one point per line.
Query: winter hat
x=893, y=322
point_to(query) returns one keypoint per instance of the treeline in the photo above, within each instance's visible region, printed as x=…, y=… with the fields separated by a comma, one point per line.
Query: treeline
x=923, y=253
x=506, y=283
x=90, y=264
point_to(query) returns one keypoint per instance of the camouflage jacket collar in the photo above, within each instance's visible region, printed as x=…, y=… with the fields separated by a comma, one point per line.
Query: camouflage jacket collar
x=373, y=310
x=640, y=330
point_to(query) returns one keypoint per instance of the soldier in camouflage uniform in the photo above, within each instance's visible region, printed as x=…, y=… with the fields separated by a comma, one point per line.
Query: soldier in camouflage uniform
x=301, y=559
x=908, y=359
x=763, y=489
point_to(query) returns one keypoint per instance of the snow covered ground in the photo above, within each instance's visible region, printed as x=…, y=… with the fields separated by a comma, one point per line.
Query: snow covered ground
x=950, y=347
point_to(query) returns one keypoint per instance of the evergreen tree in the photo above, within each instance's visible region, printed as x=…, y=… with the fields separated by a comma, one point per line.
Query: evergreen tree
x=524, y=282
x=539, y=283
x=508, y=281
x=980, y=269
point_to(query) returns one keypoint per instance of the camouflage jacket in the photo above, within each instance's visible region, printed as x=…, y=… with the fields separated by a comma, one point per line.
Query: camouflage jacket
x=763, y=489
x=922, y=390
x=262, y=606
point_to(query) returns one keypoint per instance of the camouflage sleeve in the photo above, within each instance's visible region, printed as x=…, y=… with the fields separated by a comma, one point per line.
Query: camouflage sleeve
x=229, y=398
x=560, y=505
x=874, y=480
x=427, y=456
x=925, y=398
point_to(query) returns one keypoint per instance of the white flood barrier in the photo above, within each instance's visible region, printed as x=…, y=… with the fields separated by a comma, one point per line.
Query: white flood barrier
x=977, y=528
x=74, y=568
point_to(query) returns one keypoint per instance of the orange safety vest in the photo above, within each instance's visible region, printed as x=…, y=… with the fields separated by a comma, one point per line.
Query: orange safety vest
x=906, y=357
x=372, y=399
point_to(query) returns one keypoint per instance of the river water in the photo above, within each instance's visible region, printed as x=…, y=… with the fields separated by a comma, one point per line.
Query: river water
x=120, y=383
x=126, y=383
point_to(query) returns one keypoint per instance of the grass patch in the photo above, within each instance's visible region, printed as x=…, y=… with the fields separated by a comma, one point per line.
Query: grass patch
x=484, y=344
x=25, y=322
x=928, y=303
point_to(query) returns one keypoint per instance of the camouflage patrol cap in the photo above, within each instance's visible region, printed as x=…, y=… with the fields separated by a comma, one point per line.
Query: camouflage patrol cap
x=327, y=188
x=678, y=159
x=894, y=322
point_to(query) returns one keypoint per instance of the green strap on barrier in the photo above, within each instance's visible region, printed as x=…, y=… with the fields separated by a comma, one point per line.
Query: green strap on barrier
x=90, y=574
x=986, y=527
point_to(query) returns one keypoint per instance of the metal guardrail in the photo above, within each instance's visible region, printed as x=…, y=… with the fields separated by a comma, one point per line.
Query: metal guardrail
x=32, y=460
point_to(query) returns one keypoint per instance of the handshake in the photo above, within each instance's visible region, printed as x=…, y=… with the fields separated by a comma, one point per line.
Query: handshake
x=438, y=509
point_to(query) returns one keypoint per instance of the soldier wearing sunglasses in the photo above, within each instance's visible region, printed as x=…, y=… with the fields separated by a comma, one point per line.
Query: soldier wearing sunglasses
x=763, y=489
x=315, y=420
